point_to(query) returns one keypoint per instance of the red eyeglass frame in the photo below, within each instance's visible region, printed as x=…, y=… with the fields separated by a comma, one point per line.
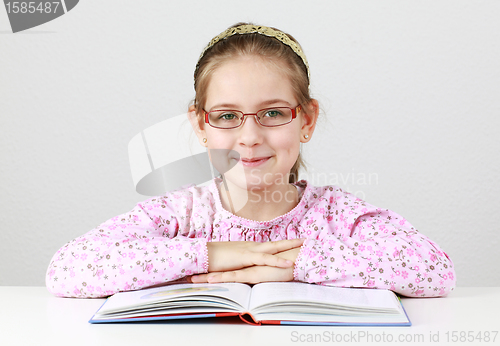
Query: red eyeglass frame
x=295, y=111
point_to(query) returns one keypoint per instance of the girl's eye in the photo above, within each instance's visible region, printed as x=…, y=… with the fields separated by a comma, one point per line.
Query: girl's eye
x=228, y=116
x=273, y=113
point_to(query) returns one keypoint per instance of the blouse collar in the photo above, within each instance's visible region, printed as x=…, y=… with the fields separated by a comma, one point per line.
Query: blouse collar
x=303, y=187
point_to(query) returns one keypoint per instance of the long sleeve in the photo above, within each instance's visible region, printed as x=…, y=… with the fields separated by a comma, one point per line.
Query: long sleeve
x=353, y=244
x=152, y=244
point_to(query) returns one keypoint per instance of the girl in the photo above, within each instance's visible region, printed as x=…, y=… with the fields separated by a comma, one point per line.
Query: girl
x=252, y=111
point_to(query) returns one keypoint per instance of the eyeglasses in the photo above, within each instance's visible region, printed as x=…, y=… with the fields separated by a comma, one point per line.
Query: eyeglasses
x=268, y=117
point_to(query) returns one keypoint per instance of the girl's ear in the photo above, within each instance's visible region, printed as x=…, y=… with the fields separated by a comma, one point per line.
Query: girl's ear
x=309, y=118
x=198, y=125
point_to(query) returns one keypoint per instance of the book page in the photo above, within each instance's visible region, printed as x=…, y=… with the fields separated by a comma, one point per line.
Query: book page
x=228, y=295
x=298, y=295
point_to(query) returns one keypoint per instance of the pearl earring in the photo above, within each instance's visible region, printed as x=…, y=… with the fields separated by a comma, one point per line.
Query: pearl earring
x=204, y=140
x=306, y=136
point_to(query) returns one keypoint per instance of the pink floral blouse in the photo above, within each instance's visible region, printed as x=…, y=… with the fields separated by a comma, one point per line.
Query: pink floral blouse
x=349, y=243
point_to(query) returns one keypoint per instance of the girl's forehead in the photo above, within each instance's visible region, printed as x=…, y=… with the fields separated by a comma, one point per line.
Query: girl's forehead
x=249, y=81
x=254, y=62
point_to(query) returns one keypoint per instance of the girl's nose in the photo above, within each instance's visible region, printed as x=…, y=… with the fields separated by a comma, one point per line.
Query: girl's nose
x=250, y=133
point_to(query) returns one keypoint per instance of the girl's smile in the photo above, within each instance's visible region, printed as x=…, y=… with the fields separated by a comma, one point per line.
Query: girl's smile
x=254, y=162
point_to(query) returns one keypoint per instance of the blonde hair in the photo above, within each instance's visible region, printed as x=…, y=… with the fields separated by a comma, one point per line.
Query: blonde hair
x=275, y=52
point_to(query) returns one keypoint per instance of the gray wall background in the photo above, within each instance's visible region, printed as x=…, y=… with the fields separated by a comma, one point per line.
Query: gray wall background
x=409, y=92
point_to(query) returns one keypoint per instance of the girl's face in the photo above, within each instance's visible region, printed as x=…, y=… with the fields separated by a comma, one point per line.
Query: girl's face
x=267, y=154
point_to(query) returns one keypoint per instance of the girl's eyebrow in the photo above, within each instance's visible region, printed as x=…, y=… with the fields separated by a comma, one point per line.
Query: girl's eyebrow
x=273, y=102
x=224, y=105
x=261, y=105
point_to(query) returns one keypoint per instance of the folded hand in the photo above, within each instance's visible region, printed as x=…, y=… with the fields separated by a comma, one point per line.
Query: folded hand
x=255, y=273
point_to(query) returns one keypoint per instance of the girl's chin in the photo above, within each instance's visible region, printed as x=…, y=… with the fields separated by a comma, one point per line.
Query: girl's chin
x=256, y=180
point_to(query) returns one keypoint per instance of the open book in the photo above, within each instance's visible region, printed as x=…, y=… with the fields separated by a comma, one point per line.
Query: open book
x=264, y=303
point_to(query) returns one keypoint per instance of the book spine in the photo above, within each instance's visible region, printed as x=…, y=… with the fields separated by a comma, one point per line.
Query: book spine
x=248, y=318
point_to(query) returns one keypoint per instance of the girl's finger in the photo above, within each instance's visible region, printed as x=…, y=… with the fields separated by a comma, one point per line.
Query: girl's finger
x=201, y=278
x=215, y=278
x=265, y=259
x=250, y=275
x=273, y=247
x=231, y=276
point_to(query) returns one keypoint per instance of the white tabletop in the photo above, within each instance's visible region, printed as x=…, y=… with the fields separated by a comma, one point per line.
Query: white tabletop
x=32, y=316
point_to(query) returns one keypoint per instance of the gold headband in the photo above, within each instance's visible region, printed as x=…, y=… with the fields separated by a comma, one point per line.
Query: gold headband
x=263, y=30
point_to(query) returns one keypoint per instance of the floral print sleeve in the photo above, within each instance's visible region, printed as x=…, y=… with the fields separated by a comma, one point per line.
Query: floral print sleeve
x=147, y=246
x=353, y=244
